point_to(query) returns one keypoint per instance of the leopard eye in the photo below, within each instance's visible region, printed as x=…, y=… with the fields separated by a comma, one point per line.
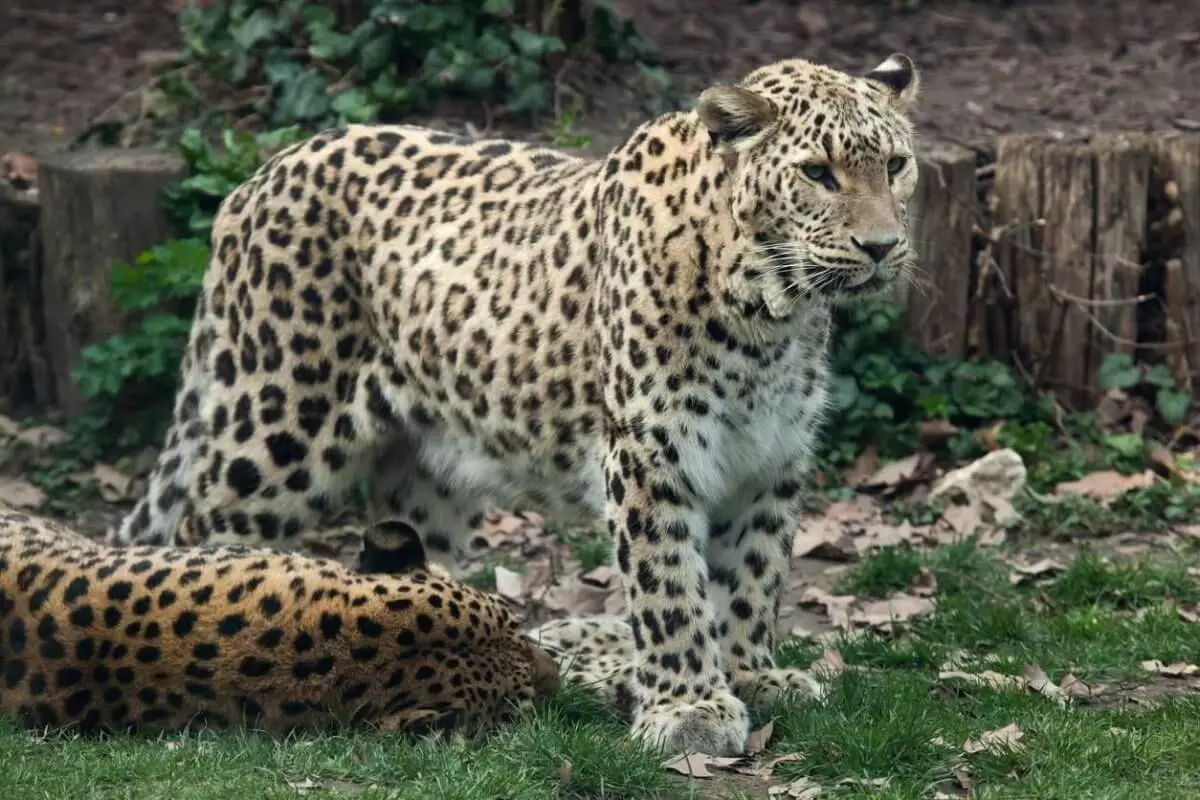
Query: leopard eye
x=895, y=164
x=822, y=174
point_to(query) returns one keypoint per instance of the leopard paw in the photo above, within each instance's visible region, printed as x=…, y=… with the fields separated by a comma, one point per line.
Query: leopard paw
x=772, y=685
x=717, y=726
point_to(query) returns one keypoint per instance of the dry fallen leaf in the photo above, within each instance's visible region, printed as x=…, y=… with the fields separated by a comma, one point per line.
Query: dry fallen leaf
x=1035, y=677
x=1078, y=689
x=836, y=607
x=823, y=538
x=1038, y=569
x=924, y=583
x=898, y=473
x=114, y=485
x=508, y=584
x=20, y=494
x=696, y=765
x=936, y=431
x=866, y=465
x=602, y=576
x=43, y=436
x=303, y=786
x=1006, y=738
x=801, y=632
x=883, y=614
x=799, y=789
x=1106, y=485
x=989, y=679
x=964, y=779
x=766, y=769
x=828, y=666
x=757, y=741
x=1178, y=669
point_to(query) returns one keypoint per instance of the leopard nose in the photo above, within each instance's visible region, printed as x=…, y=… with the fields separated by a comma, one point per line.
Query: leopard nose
x=878, y=248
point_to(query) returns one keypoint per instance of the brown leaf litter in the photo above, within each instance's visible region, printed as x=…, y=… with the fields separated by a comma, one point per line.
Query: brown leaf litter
x=1105, y=486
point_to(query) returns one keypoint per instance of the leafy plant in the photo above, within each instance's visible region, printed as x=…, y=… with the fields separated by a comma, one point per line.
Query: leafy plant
x=1119, y=371
x=214, y=173
x=320, y=64
x=884, y=387
x=128, y=376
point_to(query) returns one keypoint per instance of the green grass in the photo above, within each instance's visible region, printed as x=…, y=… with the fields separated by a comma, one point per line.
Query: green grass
x=523, y=762
x=1097, y=619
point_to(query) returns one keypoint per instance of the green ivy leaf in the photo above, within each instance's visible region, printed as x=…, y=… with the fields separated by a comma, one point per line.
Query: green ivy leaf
x=376, y=53
x=499, y=8
x=281, y=69
x=1118, y=372
x=1173, y=405
x=260, y=26
x=329, y=45
x=843, y=392
x=304, y=98
x=535, y=45
x=317, y=17
x=209, y=184
x=356, y=105
x=1127, y=445
x=1160, y=375
x=533, y=97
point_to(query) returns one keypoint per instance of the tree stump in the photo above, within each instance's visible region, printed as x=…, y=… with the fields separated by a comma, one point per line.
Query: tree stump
x=1177, y=165
x=943, y=216
x=1073, y=221
x=98, y=208
x=1123, y=164
x=24, y=379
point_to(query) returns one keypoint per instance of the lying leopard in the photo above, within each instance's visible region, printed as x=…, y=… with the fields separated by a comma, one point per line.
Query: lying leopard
x=163, y=638
x=638, y=340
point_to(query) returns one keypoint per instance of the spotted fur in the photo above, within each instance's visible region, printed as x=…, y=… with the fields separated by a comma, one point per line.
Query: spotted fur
x=638, y=340
x=162, y=638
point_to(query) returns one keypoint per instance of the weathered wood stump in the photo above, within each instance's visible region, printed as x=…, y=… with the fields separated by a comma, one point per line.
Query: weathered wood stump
x=943, y=217
x=24, y=378
x=1073, y=222
x=1177, y=169
x=98, y=208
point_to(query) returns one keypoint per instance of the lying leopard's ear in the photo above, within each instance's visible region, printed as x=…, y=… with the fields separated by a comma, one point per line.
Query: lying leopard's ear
x=900, y=77
x=391, y=547
x=736, y=118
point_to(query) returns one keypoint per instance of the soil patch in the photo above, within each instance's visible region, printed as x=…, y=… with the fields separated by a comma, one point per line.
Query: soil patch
x=1072, y=67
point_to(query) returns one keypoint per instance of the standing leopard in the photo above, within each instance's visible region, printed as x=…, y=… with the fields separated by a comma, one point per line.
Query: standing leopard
x=161, y=638
x=638, y=340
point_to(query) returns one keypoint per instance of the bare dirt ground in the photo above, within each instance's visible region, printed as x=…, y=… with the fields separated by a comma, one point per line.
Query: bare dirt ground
x=1072, y=66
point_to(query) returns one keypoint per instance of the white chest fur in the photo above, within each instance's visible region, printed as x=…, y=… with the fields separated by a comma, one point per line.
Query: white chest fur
x=752, y=434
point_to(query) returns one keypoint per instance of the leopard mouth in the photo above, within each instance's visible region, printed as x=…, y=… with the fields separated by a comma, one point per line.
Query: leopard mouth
x=846, y=284
x=828, y=282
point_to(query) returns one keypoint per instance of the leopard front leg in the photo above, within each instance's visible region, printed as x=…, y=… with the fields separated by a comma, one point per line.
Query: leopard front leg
x=682, y=702
x=749, y=556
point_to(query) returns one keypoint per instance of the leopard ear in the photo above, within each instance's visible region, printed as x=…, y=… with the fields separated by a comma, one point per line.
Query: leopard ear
x=391, y=547
x=899, y=76
x=736, y=118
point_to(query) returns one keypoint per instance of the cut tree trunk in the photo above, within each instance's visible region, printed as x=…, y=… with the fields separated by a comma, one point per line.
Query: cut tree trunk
x=1073, y=221
x=1177, y=161
x=98, y=208
x=24, y=377
x=943, y=218
x=1123, y=178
